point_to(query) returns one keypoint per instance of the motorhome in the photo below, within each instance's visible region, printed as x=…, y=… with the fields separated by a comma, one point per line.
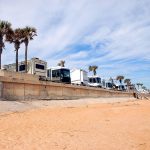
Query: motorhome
x=34, y=66
x=95, y=81
x=79, y=77
x=119, y=86
x=59, y=74
x=107, y=84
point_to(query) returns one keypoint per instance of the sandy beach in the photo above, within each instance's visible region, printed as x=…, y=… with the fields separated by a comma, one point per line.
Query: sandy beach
x=90, y=124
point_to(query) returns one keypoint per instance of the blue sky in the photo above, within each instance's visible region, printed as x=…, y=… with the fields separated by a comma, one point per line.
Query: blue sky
x=113, y=34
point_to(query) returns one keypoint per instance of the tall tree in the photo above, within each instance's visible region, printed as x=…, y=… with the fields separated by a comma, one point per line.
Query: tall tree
x=120, y=78
x=16, y=38
x=128, y=82
x=93, y=68
x=139, y=84
x=28, y=34
x=4, y=28
x=61, y=63
x=112, y=82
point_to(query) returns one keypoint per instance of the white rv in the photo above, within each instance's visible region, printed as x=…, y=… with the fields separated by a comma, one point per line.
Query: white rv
x=79, y=77
x=59, y=74
x=119, y=86
x=34, y=66
x=107, y=84
x=95, y=81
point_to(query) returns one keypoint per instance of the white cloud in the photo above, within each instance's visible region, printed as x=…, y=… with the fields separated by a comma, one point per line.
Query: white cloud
x=115, y=30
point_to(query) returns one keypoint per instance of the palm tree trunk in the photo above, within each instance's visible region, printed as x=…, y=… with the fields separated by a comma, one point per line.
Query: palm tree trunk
x=16, y=60
x=26, y=51
x=94, y=72
x=128, y=87
x=120, y=81
x=0, y=56
x=1, y=49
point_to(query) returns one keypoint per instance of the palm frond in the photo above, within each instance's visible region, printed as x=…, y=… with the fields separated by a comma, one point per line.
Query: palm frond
x=61, y=63
x=120, y=77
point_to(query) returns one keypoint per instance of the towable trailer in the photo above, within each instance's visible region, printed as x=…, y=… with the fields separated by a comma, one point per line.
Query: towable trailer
x=34, y=66
x=59, y=74
x=79, y=77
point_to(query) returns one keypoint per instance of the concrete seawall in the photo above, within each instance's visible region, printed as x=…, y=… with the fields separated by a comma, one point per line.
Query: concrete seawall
x=21, y=86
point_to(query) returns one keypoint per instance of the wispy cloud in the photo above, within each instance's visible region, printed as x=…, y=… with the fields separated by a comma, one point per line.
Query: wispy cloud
x=112, y=34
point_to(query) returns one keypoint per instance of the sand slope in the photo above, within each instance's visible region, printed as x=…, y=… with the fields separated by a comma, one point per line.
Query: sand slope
x=115, y=126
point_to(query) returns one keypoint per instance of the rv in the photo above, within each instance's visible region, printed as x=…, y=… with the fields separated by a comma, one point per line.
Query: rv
x=79, y=77
x=107, y=84
x=95, y=81
x=34, y=66
x=120, y=87
x=59, y=74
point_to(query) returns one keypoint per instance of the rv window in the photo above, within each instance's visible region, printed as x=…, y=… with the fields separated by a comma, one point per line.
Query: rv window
x=38, y=66
x=90, y=80
x=55, y=73
x=98, y=80
x=65, y=73
x=21, y=67
x=121, y=87
x=109, y=85
x=94, y=80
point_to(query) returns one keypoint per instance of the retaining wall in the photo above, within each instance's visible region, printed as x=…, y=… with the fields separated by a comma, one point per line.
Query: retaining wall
x=21, y=86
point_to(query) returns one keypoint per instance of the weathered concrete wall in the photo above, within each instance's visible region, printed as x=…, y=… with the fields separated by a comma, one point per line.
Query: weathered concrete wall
x=20, y=86
x=1, y=88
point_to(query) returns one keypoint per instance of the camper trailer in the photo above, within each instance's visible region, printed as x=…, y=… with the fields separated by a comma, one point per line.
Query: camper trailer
x=79, y=77
x=95, y=81
x=59, y=74
x=34, y=66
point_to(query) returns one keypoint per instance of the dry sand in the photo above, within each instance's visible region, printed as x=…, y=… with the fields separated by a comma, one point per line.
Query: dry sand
x=73, y=126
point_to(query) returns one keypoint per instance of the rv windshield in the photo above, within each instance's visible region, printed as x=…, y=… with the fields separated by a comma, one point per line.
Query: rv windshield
x=98, y=80
x=109, y=85
x=121, y=87
x=65, y=73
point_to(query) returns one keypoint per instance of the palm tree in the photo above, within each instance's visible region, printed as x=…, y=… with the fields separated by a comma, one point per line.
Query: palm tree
x=128, y=82
x=93, y=68
x=139, y=84
x=61, y=63
x=15, y=37
x=4, y=28
x=120, y=78
x=28, y=34
x=112, y=82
